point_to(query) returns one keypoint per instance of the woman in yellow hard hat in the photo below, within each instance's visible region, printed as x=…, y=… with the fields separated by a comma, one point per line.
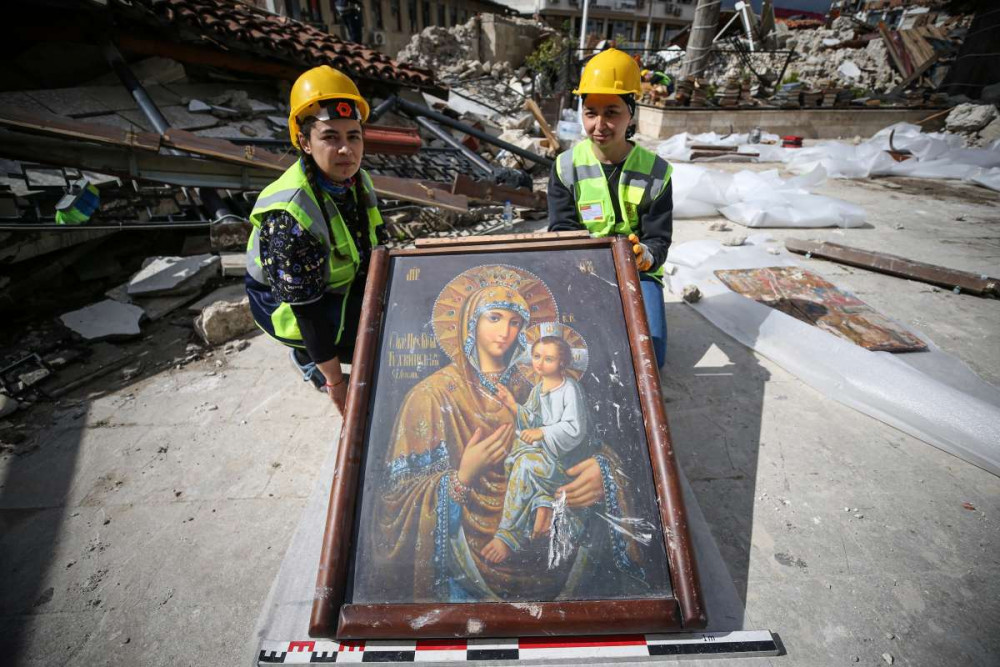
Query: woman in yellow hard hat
x=608, y=185
x=313, y=231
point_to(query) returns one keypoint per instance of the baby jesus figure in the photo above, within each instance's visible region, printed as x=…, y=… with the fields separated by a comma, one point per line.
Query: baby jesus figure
x=551, y=425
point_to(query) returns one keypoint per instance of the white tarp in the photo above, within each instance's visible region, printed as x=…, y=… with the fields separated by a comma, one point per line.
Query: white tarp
x=759, y=199
x=929, y=395
x=935, y=155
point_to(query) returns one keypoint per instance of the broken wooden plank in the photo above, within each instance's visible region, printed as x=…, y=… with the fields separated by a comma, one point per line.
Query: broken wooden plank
x=893, y=265
x=809, y=298
x=224, y=149
x=499, y=238
x=890, y=46
x=40, y=122
x=484, y=191
x=917, y=73
x=412, y=190
x=531, y=106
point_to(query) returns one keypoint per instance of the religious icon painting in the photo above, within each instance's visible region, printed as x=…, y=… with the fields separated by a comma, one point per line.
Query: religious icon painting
x=504, y=467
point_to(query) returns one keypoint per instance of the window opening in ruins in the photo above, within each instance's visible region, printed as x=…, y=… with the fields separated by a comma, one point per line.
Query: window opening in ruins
x=396, y=11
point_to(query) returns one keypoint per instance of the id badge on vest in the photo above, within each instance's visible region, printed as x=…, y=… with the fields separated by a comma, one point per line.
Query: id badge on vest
x=591, y=212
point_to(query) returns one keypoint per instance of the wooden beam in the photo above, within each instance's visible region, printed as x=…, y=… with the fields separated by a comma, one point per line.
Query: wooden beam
x=531, y=106
x=499, y=238
x=223, y=149
x=484, y=191
x=415, y=191
x=890, y=46
x=893, y=265
x=41, y=122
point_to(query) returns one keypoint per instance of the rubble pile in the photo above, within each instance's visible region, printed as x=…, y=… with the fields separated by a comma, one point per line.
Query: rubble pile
x=437, y=46
x=822, y=55
x=978, y=124
x=460, y=56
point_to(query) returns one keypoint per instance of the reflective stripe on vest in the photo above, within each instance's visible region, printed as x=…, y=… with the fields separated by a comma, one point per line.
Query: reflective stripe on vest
x=291, y=193
x=643, y=179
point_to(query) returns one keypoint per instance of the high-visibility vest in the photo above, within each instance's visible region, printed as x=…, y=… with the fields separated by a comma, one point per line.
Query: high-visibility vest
x=291, y=193
x=643, y=179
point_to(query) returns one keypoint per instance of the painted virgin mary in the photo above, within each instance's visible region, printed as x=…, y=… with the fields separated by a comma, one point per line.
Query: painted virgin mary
x=445, y=484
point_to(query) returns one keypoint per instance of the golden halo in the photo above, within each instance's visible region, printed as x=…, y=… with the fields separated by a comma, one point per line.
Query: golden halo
x=448, y=305
x=581, y=354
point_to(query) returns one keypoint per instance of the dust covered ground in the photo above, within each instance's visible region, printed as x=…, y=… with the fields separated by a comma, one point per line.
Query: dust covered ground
x=144, y=519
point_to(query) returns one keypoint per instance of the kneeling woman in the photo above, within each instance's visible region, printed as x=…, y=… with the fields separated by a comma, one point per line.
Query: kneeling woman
x=607, y=184
x=313, y=232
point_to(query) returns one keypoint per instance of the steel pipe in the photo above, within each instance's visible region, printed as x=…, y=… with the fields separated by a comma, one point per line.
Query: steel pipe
x=418, y=110
x=446, y=137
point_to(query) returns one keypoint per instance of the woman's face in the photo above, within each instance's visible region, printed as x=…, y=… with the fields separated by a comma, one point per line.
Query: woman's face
x=496, y=332
x=605, y=119
x=337, y=146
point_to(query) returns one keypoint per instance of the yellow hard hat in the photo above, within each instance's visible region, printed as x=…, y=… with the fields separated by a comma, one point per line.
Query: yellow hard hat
x=318, y=84
x=644, y=72
x=610, y=72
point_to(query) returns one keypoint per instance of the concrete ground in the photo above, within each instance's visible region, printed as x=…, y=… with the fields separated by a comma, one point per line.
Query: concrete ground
x=144, y=520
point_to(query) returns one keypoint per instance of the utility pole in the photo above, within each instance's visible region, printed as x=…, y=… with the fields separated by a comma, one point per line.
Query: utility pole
x=649, y=31
x=706, y=19
x=583, y=43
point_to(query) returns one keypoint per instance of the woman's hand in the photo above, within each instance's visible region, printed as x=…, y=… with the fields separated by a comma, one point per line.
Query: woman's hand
x=587, y=489
x=482, y=452
x=338, y=394
x=643, y=257
x=532, y=434
x=336, y=382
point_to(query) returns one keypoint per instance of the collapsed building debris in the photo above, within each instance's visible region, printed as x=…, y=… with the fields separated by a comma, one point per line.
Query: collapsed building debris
x=223, y=321
x=176, y=137
x=808, y=65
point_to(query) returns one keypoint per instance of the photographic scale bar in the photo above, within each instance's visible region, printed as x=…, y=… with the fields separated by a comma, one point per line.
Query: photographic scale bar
x=533, y=650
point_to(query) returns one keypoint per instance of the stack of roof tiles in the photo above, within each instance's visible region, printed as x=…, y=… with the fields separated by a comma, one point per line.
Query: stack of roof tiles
x=247, y=28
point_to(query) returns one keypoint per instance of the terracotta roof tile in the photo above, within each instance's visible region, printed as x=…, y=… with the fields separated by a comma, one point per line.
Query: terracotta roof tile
x=239, y=26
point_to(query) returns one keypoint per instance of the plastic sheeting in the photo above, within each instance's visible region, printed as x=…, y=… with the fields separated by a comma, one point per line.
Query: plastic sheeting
x=677, y=147
x=759, y=199
x=935, y=155
x=929, y=395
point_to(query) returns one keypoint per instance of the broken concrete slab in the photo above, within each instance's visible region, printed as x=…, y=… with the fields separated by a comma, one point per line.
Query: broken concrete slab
x=155, y=307
x=8, y=405
x=970, y=117
x=159, y=306
x=105, y=319
x=173, y=275
x=228, y=294
x=233, y=264
x=222, y=321
x=197, y=106
x=70, y=102
x=235, y=130
x=258, y=106
x=177, y=117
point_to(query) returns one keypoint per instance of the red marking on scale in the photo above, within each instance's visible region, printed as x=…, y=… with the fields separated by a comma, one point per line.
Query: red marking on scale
x=352, y=646
x=581, y=642
x=441, y=645
x=305, y=647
